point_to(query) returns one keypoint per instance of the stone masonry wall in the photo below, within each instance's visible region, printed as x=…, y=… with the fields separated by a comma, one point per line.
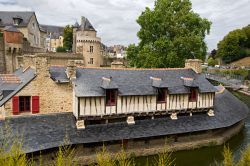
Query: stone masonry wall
x=53, y=97
x=2, y=59
x=56, y=59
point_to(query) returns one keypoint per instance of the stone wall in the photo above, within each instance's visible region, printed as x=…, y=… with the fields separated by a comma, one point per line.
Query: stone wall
x=53, y=97
x=56, y=59
x=2, y=59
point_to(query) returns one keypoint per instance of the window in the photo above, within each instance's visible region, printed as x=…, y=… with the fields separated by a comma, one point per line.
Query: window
x=161, y=97
x=91, y=61
x=24, y=104
x=9, y=51
x=91, y=49
x=111, y=97
x=193, y=95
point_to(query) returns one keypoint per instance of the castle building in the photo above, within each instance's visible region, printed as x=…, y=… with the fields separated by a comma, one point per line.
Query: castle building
x=86, y=42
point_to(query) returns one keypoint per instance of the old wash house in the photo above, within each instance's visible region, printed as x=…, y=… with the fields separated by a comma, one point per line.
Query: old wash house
x=97, y=105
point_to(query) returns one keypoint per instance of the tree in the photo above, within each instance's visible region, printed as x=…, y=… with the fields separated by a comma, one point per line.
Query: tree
x=212, y=62
x=232, y=47
x=68, y=37
x=170, y=33
x=213, y=53
x=247, y=32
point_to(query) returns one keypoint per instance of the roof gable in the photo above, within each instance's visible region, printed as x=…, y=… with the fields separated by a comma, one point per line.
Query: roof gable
x=15, y=82
x=7, y=18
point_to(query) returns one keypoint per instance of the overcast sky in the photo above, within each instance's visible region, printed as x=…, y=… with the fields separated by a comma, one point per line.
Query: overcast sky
x=115, y=20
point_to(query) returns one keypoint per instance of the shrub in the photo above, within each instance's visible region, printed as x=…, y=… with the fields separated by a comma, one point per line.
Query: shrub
x=212, y=62
x=61, y=49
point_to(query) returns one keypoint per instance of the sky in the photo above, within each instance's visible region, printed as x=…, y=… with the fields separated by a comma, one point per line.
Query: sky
x=115, y=20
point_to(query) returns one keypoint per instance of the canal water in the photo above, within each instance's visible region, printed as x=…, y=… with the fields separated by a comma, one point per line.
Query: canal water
x=210, y=156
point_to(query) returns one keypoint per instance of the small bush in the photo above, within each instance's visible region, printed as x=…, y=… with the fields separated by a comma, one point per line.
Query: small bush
x=212, y=62
x=61, y=49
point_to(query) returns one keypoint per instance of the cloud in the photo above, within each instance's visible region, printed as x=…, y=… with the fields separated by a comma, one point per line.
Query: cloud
x=115, y=20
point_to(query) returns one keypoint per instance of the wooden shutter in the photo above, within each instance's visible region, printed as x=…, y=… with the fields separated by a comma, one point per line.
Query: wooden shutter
x=15, y=105
x=35, y=104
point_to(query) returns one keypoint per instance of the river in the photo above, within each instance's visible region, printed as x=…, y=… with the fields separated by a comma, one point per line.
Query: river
x=210, y=155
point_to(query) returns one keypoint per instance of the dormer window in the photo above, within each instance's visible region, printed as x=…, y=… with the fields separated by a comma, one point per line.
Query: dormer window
x=17, y=20
x=193, y=95
x=161, y=96
x=111, y=97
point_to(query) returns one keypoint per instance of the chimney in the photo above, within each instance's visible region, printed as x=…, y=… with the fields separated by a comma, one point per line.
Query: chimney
x=42, y=62
x=83, y=20
x=29, y=61
x=71, y=70
x=194, y=64
x=117, y=65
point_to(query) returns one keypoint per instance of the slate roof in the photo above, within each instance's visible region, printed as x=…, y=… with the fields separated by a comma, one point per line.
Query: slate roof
x=58, y=74
x=56, y=31
x=42, y=132
x=11, y=86
x=85, y=25
x=7, y=18
x=11, y=29
x=133, y=81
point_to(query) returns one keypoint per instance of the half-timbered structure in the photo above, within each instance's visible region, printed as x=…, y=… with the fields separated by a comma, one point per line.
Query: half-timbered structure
x=101, y=95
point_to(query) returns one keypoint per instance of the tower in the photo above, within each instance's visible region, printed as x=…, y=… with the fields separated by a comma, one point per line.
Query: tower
x=86, y=42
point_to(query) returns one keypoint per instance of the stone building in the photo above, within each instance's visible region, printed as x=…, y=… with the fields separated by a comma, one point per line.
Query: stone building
x=86, y=42
x=20, y=33
x=31, y=85
x=54, y=37
x=26, y=23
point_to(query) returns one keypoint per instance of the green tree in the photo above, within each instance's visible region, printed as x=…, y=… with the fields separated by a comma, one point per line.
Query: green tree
x=68, y=37
x=213, y=53
x=247, y=32
x=170, y=33
x=212, y=62
x=231, y=48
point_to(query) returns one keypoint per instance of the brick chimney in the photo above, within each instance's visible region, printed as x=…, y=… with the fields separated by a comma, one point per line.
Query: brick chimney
x=194, y=64
x=71, y=69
